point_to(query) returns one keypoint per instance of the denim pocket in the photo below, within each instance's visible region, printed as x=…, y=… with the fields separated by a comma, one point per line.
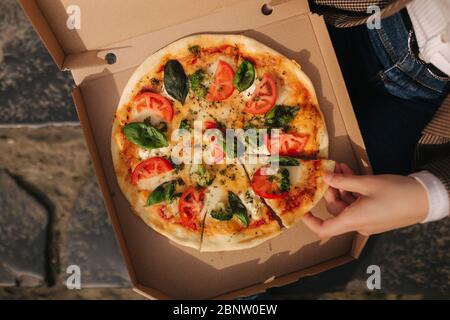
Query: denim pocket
x=400, y=73
x=408, y=79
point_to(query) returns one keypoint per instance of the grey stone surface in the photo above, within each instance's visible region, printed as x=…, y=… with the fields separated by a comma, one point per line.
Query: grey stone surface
x=23, y=233
x=32, y=89
x=414, y=262
x=90, y=242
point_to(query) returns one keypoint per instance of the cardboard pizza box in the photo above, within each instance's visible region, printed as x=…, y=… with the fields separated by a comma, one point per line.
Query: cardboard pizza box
x=127, y=32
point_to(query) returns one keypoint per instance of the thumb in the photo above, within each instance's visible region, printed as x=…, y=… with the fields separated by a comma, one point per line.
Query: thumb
x=325, y=228
x=348, y=182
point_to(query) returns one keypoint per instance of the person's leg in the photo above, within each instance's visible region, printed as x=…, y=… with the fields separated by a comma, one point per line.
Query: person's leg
x=392, y=95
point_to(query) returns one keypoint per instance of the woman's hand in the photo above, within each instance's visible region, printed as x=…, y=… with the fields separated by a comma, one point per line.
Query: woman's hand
x=369, y=204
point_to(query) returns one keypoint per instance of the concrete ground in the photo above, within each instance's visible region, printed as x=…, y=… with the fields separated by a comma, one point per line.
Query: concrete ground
x=52, y=214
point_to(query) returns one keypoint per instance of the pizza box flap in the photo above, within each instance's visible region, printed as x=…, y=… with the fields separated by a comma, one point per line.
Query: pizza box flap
x=116, y=21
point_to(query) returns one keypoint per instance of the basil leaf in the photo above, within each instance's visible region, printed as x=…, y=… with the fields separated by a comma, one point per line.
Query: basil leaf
x=145, y=135
x=244, y=77
x=280, y=116
x=163, y=193
x=222, y=214
x=243, y=216
x=284, y=161
x=176, y=195
x=238, y=208
x=175, y=80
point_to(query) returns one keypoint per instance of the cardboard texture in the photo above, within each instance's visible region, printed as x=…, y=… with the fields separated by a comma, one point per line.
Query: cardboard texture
x=133, y=30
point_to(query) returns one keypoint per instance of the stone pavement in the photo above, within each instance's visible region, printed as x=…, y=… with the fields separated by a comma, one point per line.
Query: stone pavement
x=23, y=236
x=32, y=89
x=52, y=216
x=90, y=242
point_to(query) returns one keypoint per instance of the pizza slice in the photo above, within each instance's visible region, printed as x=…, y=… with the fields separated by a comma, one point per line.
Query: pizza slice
x=283, y=98
x=160, y=195
x=234, y=216
x=290, y=187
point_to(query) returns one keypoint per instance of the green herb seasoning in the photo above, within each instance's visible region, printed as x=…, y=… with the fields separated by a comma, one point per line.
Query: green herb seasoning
x=184, y=124
x=197, y=86
x=195, y=50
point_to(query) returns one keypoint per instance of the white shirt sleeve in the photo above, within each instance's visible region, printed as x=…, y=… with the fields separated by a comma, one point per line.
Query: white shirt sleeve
x=430, y=20
x=438, y=201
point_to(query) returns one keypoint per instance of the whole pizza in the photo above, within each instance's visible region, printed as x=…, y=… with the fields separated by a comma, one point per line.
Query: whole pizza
x=218, y=142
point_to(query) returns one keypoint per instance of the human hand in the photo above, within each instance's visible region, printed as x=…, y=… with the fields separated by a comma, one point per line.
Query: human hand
x=369, y=204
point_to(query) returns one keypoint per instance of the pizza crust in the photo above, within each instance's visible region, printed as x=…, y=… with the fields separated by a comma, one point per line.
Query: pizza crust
x=245, y=239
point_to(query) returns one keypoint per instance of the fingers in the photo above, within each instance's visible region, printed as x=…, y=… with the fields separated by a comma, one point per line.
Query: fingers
x=333, y=201
x=346, y=196
x=325, y=228
x=345, y=168
x=347, y=182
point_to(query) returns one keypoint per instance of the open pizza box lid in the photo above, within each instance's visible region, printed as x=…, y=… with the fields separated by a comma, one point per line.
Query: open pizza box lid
x=132, y=31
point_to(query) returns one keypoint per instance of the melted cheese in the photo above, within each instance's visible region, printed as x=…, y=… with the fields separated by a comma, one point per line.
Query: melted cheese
x=146, y=153
x=172, y=207
x=140, y=116
x=216, y=198
x=283, y=94
x=252, y=203
x=295, y=174
x=153, y=182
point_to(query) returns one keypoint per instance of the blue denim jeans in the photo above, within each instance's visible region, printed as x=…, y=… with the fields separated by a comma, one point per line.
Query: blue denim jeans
x=394, y=95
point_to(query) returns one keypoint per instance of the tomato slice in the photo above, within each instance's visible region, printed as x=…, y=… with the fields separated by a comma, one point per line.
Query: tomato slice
x=149, y=168
x=290, y=144
x=190, y=205
x=210, y=124
x=155, y=102
x=222, y=86
x=264, y=96
x=265, y=187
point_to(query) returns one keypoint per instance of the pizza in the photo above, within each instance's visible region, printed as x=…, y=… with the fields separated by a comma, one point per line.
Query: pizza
x=218, y=142
x=292, y=187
